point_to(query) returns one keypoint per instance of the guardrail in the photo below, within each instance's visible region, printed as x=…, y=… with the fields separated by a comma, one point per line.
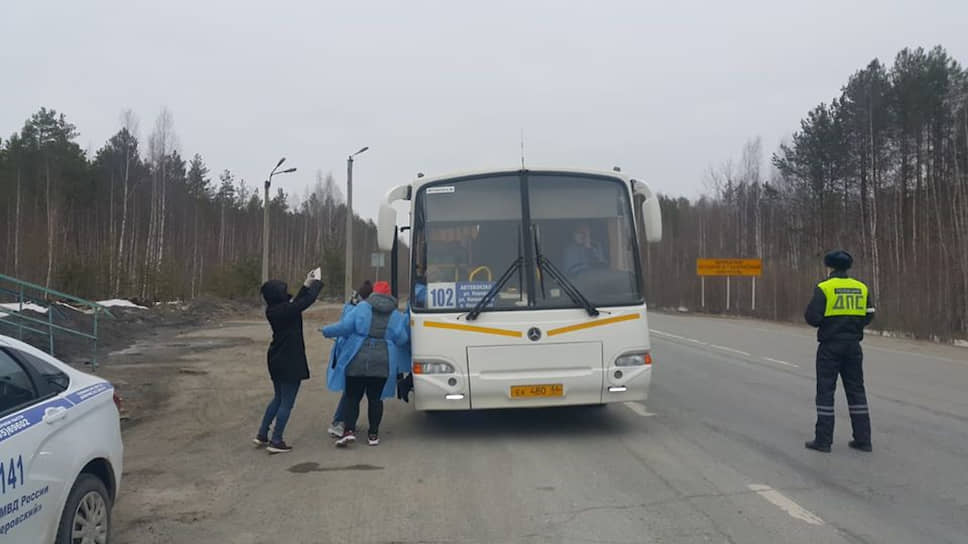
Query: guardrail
x=28, y=296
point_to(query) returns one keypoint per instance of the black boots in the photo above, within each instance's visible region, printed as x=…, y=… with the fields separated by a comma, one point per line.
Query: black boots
x=816, y=446
x=825, y=448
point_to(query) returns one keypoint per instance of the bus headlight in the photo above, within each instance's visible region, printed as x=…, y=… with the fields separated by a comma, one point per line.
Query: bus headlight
x=634, y=359
x=433, y=367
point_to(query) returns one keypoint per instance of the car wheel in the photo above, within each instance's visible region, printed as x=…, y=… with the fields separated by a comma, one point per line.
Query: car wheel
x=87, y=514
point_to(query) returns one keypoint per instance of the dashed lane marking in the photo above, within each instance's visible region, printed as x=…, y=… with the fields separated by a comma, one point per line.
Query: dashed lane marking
x=779, y=362
x=677, y=337
x=664, y=334
x=731, y=350
x=667, y=334
x=786, y=504
x=639, y=409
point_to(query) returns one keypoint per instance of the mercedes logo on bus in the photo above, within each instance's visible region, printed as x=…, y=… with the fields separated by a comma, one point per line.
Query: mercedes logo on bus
x=534, y=334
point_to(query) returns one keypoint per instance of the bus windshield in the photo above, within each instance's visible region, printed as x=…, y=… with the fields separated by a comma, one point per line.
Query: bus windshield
x=469, y=232
x=584, y=228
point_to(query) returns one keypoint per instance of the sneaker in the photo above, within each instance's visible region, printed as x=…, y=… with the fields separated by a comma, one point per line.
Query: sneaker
x=373, y=440
x=261, y=441
x=348, y=438
x=816, y=446
x=336, y=429
x=279, y=447
x=861, y=446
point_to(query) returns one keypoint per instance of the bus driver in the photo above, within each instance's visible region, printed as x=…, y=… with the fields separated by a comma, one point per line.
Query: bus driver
x=582, y=253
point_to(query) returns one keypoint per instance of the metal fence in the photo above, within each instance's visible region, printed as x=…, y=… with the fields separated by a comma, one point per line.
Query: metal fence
x=18, y=297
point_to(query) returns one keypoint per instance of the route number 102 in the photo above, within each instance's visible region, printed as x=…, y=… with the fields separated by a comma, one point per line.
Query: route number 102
x=442, y=297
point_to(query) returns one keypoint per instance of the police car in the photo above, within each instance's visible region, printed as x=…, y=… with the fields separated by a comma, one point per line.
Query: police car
x=60, y=450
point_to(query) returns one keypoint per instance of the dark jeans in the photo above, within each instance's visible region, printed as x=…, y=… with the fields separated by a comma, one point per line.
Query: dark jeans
x=355, y=389
x=279, y=409
x=844, y=359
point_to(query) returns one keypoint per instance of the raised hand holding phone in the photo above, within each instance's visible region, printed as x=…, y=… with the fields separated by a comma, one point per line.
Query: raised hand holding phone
x=314, y=275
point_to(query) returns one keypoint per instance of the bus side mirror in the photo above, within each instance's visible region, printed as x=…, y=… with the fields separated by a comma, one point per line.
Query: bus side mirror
x=652, y=218
x=386, y=227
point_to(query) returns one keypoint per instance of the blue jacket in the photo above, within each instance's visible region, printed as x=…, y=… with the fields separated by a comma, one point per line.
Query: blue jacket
x=334, y=353
x=352, y=330
x=419, y=295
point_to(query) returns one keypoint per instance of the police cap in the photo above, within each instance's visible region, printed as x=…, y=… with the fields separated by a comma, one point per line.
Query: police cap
x=838, y=259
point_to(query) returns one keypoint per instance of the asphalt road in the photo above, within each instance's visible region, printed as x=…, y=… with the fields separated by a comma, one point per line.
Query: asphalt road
x=715, y=455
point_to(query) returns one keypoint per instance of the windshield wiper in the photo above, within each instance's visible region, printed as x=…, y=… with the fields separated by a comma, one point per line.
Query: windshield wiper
x=570, y=289
x=495, y=289
x=537, y=250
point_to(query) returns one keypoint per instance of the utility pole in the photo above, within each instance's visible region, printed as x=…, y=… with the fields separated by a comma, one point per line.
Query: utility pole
x=265, y=234
x=348, y=271
x=265, y=218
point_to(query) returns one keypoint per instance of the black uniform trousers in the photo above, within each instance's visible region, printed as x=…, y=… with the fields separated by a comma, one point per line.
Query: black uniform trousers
x=844, y=359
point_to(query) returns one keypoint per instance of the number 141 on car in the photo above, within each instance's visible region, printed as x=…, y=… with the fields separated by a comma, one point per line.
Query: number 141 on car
x=12, y=474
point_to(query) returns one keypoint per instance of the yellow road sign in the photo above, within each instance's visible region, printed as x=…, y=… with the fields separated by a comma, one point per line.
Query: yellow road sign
x=729, y=267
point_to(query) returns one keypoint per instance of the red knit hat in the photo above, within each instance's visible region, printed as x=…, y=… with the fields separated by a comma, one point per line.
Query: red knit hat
x=381, y=288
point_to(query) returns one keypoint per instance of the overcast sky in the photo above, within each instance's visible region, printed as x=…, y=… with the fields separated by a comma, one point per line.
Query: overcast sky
x=663, y=89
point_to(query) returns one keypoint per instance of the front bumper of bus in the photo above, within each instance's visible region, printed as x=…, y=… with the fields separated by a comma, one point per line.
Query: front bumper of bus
x=439, y=392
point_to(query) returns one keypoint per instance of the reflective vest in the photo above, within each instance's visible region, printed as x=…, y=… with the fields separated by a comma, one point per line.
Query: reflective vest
x=845, y=296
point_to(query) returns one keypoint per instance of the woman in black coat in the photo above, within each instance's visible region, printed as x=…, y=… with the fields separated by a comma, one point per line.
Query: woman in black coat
x=287, y=354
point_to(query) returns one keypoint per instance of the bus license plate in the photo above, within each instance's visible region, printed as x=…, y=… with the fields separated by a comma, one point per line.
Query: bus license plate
x=537, y=391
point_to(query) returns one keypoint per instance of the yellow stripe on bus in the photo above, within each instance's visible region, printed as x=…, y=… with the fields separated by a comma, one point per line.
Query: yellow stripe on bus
x=596, y=323
x=472, y=328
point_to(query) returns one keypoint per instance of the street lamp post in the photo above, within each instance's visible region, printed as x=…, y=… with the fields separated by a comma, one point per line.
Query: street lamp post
x=348, y=271
x=265, y=218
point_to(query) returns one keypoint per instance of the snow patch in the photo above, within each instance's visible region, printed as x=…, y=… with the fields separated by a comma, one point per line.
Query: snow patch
x=15, y=307
x=959, y=343
x=887, y=334
x=120, y=303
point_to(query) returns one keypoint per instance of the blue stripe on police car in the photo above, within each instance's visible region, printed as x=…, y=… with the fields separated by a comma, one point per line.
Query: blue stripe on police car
x=20, y=422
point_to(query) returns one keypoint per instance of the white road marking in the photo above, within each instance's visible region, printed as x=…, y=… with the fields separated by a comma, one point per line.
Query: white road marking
x=786, y=504
x=639, y=408
x=667, y=334
x=779, y=362
x=912, y=353
x=677, y=337
x=721, y=348
x=731, y=350
x=781, y=329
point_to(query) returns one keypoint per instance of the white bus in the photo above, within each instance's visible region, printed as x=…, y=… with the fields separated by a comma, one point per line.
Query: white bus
x=526, y=287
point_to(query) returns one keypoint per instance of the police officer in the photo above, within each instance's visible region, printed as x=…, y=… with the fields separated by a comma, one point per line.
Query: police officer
x=840, y=309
